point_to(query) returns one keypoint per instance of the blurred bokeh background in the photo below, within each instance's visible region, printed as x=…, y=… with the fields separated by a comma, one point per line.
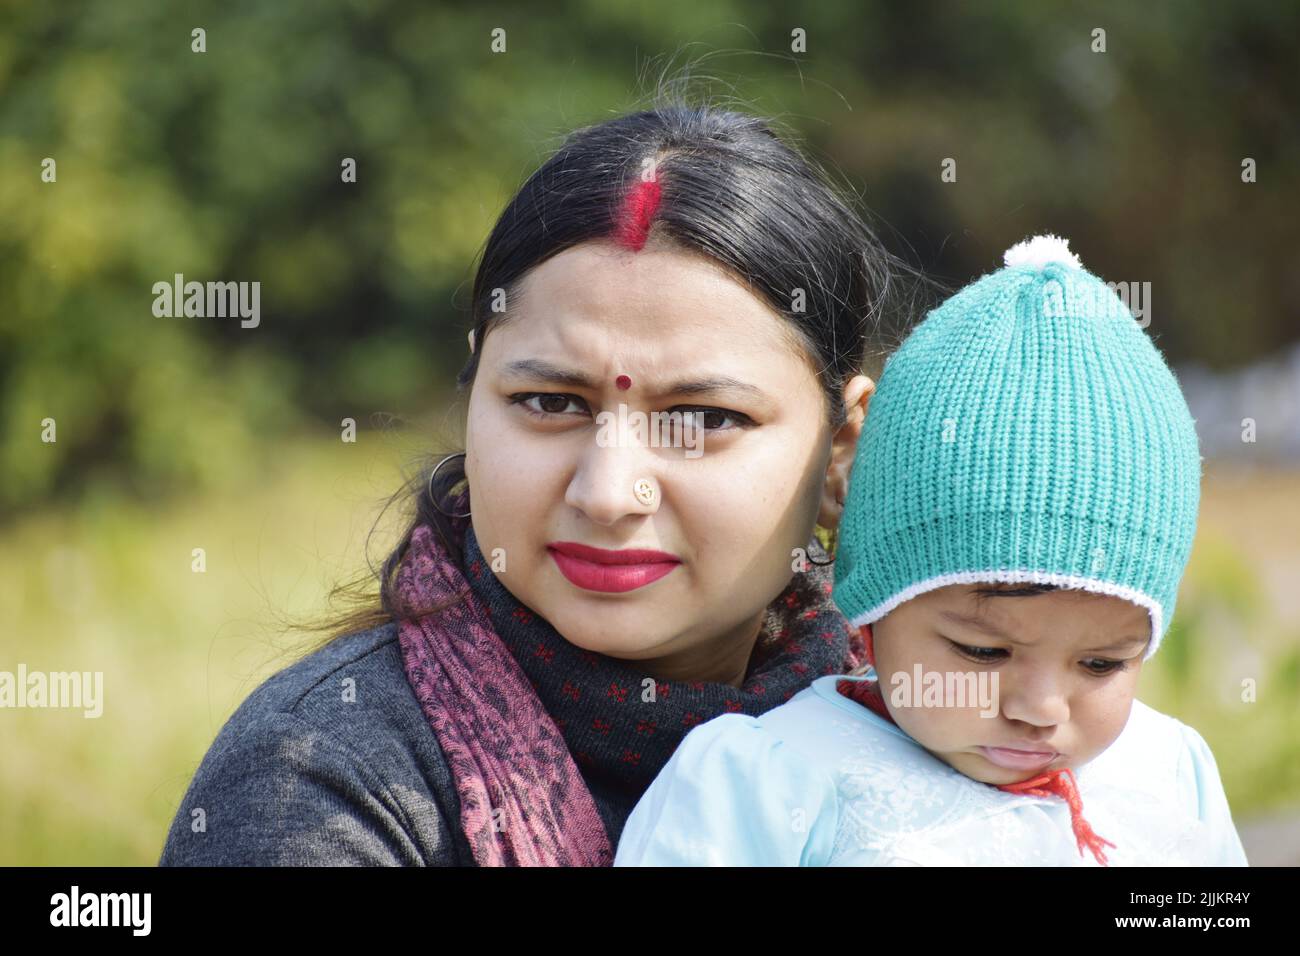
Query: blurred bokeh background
x=177, y=433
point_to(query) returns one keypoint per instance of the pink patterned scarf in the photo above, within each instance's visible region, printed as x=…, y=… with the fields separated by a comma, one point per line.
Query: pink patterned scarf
x=524, y=802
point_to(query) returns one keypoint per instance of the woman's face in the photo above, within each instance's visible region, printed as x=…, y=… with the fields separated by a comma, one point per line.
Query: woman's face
x=733, y=500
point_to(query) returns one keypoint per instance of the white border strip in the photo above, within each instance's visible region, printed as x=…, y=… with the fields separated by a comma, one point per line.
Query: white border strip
x=1015, y=577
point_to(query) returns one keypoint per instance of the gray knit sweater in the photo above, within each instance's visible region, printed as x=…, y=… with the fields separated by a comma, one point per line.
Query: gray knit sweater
x=331, y=761
x=302, y=776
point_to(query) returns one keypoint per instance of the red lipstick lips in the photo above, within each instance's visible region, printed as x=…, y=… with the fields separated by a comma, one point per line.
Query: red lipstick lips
x=599, y=569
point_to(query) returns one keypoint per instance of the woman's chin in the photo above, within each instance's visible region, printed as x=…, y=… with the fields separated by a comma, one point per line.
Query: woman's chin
x=629, y=634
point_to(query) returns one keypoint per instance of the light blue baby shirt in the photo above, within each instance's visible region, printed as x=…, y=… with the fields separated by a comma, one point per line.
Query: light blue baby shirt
x=823, y=781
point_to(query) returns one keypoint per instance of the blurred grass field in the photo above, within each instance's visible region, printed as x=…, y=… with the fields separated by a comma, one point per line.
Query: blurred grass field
x=109, y=587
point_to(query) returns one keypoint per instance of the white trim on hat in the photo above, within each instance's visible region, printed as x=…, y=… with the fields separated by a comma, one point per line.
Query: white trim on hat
x=1074, y=581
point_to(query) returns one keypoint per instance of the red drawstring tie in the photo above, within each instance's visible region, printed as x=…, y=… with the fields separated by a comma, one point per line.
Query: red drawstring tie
x=1061, y=783
x=1058, y=783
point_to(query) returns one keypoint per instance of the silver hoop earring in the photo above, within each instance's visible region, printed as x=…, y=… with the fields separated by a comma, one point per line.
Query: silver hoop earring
x=433, y=498
x=821, y=564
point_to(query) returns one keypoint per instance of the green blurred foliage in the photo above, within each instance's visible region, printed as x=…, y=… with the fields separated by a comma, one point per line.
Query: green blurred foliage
x=1231, y=669
x=225, y=165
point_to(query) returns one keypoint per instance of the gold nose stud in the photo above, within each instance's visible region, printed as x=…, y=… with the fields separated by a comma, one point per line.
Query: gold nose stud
x=644, y=491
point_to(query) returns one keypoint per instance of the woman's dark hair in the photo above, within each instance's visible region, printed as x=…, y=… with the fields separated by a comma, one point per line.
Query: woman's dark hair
x=731, y=190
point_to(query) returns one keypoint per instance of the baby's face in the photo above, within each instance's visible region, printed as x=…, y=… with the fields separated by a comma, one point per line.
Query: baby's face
x=1067, y=665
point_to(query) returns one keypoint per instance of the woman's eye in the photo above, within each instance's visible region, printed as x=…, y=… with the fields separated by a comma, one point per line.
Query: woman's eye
x=548, y=403
x=701, y=416
x=544, y=404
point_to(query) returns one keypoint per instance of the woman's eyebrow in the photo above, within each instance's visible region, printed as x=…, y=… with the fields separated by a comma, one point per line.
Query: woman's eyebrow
x=573, y=378
x=549, y=372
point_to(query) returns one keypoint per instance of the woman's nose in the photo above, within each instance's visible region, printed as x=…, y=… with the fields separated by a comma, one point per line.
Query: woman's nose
x=614, y=479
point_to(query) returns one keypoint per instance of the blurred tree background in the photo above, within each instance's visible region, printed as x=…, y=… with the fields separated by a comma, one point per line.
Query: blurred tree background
x=225, y=165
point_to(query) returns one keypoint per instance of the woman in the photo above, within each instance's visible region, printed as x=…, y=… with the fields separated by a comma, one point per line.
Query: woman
x=546, y=636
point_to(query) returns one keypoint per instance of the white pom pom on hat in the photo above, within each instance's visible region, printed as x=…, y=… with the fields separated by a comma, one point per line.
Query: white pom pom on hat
x=1038, y=251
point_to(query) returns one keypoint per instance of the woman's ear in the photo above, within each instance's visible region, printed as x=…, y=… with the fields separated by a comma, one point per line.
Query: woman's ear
x=471, y=340
x=844, y=446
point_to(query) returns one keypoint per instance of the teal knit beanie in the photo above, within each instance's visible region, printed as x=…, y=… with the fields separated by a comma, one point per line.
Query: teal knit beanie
x=1026, y=431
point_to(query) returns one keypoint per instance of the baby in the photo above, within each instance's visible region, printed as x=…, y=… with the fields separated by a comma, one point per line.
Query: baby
x=1020, y=511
